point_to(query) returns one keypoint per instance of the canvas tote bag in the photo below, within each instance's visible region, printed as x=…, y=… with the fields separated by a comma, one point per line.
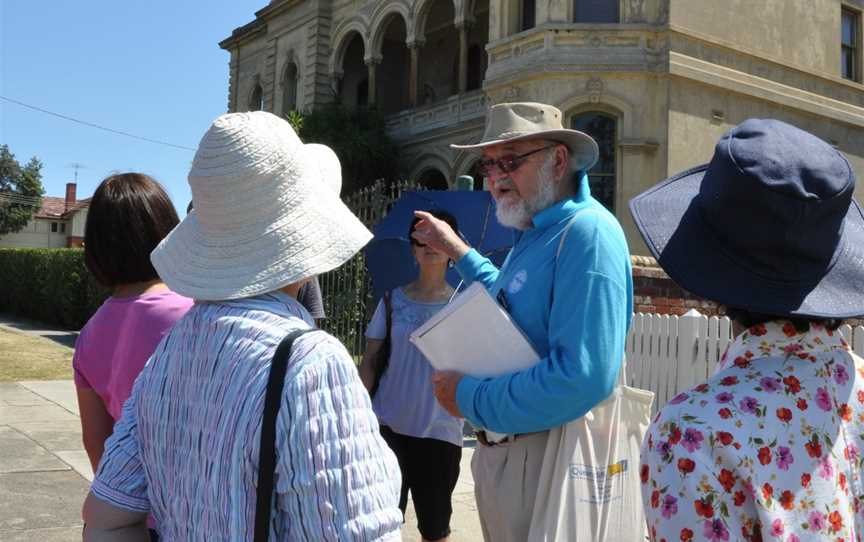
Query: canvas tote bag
x=589, y=488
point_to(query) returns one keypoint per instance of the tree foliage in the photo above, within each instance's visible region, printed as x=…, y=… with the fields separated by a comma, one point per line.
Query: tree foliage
x=358, y=137
x=20, y=191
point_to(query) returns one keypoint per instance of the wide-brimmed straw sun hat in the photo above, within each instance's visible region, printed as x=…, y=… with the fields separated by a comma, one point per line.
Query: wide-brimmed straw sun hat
x=265, y=214
x=769, y=225
x=510, y=122
x=328, y=164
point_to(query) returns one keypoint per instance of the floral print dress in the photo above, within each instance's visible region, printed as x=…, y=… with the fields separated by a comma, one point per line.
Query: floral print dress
x=769, y=448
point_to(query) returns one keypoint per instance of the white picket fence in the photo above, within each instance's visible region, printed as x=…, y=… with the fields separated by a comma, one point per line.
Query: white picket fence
x=669, y=354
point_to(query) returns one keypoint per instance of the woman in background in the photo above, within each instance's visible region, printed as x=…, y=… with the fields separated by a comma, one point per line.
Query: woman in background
x=128, y=216
x=426, y=439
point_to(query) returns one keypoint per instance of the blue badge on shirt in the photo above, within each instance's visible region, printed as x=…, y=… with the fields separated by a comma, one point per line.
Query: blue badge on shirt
x=518, y=281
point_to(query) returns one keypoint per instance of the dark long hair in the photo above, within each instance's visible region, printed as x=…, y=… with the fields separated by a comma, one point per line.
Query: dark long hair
x=439, y=214
x=749, y=319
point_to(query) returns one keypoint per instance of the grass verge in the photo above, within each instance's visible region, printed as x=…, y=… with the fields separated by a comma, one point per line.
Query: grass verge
x=24, y=357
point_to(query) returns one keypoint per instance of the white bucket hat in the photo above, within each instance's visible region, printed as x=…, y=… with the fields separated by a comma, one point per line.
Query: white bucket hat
x=520, y=121
x=328, y=164
x=267, y=213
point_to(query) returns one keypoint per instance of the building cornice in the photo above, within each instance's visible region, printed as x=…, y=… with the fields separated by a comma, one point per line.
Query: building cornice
x=262, y=17
x=275, y=8
x=244, y=33
x=717, y=76
x=651, y=50
x=737, y=48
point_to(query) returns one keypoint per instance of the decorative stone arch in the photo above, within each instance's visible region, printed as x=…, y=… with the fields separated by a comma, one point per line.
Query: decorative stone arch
x=342, y=37
x=432, y=161
x=464, y=161
x=464, y=165
x=421, y=13
x=381, y=19
x=606, y=102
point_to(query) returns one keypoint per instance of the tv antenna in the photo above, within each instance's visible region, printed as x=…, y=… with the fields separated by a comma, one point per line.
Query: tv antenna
x=76, y=166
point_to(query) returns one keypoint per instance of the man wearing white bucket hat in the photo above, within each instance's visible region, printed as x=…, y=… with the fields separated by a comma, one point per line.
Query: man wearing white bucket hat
x=187, y=447
x=566, y=283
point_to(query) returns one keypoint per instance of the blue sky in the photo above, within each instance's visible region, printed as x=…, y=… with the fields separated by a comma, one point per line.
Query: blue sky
x=153, y=69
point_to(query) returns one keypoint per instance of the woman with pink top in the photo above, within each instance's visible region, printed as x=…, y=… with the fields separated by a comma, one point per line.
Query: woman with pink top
x=128, y=216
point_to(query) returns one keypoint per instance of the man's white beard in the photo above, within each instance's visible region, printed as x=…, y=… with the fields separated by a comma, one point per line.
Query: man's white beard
x=517, y=214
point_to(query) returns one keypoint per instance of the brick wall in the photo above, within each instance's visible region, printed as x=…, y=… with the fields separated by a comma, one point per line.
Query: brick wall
x=655, y=292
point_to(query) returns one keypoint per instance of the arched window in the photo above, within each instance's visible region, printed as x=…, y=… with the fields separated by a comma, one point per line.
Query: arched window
x=433, y=180
x=362, y=93
x=395, y=66
x=603, y=128
x=289, y=88
x=353, y=83
x=527, y=14
x=596, y=11
x=475, y=67
x=256, y=100
x=438, y=59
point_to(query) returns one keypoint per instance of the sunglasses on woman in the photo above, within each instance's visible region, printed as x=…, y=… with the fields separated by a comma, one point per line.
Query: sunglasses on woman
x=507, y=164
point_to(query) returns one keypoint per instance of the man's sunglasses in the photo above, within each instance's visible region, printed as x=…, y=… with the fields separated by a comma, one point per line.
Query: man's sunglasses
x=507, y=164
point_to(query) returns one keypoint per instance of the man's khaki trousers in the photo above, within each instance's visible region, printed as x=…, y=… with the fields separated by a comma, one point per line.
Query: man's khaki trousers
x=505, y=484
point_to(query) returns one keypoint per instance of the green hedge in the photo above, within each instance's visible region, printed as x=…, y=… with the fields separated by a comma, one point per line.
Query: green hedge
x=51, y=285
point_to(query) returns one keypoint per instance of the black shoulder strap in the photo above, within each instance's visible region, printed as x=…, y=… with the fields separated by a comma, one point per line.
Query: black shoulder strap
x=267, y=447
x=383, y=355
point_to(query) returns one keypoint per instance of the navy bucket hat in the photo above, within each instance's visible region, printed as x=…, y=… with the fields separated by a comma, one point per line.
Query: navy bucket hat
x=769, y=225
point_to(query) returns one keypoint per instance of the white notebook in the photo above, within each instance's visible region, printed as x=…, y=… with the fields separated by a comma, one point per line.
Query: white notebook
x=475, y=336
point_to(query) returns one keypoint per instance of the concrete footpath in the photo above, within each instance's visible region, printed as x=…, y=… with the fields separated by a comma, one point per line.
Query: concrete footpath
x=44, y=471
x=45, y=474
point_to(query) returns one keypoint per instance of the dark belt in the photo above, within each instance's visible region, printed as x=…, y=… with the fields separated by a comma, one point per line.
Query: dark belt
x=481, y=438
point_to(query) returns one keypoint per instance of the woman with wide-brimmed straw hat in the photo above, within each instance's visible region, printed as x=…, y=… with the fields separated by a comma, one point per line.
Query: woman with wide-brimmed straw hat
x=187, y=447
x=769, y=448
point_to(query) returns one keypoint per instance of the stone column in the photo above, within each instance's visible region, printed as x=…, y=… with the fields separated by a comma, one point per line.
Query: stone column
x=463, y=56
x=413, y=73
x=497, y=15
x=372, y=66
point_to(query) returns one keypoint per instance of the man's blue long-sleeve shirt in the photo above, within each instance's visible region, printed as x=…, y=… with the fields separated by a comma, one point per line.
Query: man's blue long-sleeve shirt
x=574, y=308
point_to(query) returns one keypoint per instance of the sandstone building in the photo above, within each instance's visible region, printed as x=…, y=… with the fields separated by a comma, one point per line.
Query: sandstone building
x=656, y=82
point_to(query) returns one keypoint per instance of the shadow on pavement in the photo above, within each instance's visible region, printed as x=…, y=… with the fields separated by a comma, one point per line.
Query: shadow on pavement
x=61, y=336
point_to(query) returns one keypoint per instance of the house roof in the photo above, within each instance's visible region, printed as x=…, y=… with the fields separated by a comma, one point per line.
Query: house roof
x=56, y=207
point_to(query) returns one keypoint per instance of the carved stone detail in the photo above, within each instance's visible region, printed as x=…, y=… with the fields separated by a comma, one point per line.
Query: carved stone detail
x=635, y=11
x=595, y=87
x=511, y=94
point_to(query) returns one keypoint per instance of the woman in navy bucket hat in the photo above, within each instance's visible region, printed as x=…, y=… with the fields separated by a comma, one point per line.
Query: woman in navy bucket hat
x=769, y=447
x=769, y=224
